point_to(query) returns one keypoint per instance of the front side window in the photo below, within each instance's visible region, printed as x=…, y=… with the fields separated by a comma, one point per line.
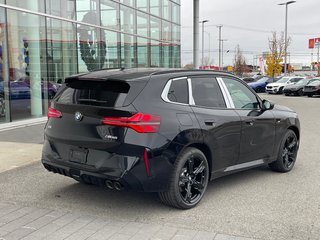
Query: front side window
x=206, y=92
x=178, y=91
x=241, y=96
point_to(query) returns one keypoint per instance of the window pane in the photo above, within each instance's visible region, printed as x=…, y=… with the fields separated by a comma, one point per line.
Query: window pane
x=127, y=18
x=112, y=59
x=155, y=7
x=155, y=54
x=109, y=14
x=165, y=9
x=241, y=95
x=142, y=24
x=178, y=91
x=61, y=8
x=92, y=48
x=175, y=13
x=33, y=5
x=128, y=2
x=4, y=79
x=142, y=48
x=155, y=28
x=62, y=50
x=142, y=5
x=87, y=12
x=28, y=65
x=127, y=51
x=206, y=92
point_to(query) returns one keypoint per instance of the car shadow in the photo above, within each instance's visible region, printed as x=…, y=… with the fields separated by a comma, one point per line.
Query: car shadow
x=95, y=198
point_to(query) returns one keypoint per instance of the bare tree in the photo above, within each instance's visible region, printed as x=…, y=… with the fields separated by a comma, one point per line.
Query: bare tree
x=239, y=62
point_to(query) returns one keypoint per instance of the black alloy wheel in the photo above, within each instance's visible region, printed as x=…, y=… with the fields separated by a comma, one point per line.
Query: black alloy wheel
x=189, y=181
x=287, y=154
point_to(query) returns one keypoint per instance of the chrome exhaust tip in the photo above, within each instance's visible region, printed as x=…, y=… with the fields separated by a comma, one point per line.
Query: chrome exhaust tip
x=109, y=184
x=118, y=186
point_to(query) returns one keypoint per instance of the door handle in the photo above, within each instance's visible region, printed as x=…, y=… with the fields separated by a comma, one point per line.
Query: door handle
x=249, y=122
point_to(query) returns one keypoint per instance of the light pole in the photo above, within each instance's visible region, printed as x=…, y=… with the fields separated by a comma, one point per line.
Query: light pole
x=222, y=40
x=285, y=35
x=202, y=58
x=196, y=34
x=219, y=26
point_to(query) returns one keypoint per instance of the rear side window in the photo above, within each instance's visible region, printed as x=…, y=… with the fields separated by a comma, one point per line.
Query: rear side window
x=178, y=91
x=206, y=92
x=105, y=94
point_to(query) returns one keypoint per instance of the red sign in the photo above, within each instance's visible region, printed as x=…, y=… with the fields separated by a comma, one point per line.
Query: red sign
x=317, y=40
x=311, y=43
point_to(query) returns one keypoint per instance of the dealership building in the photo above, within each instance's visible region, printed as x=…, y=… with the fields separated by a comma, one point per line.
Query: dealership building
x=44, y=41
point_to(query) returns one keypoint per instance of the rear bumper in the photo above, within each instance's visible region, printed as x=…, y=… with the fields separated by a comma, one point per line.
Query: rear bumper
x=103, y=167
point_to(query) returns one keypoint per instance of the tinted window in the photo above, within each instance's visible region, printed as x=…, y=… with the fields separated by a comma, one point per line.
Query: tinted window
x=105, y=94
x=178, y=91
x=206, y=92
x=242, y=97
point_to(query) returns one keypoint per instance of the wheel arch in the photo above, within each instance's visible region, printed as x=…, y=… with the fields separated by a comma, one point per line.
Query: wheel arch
x=295, y=130
x=206, y=151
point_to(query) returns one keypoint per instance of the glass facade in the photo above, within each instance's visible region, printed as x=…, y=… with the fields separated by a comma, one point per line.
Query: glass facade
x=44, y=41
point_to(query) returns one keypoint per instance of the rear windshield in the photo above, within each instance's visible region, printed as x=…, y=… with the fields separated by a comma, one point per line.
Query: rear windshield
x=105, y=94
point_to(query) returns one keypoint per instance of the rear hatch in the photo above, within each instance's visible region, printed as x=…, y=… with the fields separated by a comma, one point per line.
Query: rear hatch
x=91, y=114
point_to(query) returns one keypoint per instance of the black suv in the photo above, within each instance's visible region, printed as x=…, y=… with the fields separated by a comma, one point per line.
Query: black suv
x=165, y=131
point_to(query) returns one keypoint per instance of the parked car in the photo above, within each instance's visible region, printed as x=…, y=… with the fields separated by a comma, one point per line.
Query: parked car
x=165, y=131
x=297, y=88
x=248, y=79
x=277, y=87
x=313, y=88
x=260, y=85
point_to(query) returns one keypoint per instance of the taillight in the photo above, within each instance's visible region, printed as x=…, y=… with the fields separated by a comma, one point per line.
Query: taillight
x=140, y=122
x=54, y=113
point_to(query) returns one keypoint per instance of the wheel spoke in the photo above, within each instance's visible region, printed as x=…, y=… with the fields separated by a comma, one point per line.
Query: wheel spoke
x=199, y=169
x=190, y=165
x=292, y=144
x=198, y=185
x=183, y=180
x=189, y=194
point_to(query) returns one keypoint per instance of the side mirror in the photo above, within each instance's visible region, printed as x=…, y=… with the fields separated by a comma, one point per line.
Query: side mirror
x=266, y=105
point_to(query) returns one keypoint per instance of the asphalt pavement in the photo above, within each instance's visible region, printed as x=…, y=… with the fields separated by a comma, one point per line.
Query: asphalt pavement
x=256, y=204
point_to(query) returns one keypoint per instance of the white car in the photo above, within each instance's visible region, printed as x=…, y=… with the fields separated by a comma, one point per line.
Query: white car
x=278, y=86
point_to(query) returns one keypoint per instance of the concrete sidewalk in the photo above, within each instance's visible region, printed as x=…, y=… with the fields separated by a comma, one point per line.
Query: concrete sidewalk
x=22, y=146
x=29, y=223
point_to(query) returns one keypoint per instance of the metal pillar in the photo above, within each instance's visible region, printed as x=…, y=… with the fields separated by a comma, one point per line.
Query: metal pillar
x=219, y=26
x=196, y=34
x=285, y=35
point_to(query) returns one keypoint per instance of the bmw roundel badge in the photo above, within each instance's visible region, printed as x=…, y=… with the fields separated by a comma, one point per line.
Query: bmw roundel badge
x=78, y=116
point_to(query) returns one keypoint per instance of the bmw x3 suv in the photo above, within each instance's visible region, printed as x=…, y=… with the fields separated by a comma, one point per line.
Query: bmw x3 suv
x=165, y=131
x=277, y=87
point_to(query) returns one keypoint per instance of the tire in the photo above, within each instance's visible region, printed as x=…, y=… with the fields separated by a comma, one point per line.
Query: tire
x=300, y=92
x=189, y=180
x=2, y=107
x=280, y=90
x=286, y=94
x=310, y=95
x=259, y=90
x=287, y=153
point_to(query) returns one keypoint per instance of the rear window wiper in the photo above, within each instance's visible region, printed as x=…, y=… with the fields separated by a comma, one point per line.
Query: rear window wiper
x=91, y=100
